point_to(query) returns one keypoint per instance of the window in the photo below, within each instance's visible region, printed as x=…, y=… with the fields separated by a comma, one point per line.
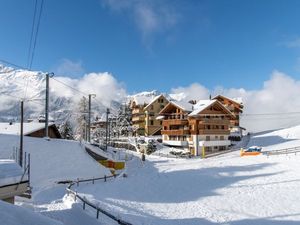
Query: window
x=151, y=122
x=222, y=127
x=151, y=107
x=207, y=138
x=162, y=106
x=216, y=137
x=221, y=137
x=160, y=122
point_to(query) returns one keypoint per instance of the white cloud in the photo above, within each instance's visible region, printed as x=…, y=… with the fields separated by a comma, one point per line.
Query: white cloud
x=278, y=97
x=193, y=92
x=104, y=85
x=69, y=67
x=149, y=16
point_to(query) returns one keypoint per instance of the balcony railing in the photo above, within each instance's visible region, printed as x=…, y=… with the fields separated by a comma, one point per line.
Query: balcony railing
x=214, y=131
x=214, y=121
x=175, y=132
x=175, y=122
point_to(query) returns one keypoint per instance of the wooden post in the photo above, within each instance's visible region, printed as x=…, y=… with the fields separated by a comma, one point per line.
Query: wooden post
x=83, y=205
x=203, y=151
x=104, y=178
x=97, y=213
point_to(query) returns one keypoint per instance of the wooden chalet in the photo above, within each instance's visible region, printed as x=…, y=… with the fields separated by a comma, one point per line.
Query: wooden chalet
x=204, y=125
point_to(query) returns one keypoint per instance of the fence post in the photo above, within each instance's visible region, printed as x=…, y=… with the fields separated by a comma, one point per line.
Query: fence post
x=93, y=180
x=75, y=198
x=104, y=178
x=77, y=182
x=83, y=205
x=97, y=213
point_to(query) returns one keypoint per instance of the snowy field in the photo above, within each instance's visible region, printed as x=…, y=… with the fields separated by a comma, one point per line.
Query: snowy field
x=226, y=189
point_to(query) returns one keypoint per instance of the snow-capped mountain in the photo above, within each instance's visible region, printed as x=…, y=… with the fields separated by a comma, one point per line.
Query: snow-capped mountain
x=30, y=86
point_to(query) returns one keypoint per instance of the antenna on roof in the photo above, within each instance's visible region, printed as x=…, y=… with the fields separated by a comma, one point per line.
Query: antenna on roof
x=210, y=97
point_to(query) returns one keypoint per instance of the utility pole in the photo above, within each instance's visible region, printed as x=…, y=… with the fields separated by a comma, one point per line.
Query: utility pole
x=89, y=119
x=106, y=141
x=21, y=135
x=47, y=104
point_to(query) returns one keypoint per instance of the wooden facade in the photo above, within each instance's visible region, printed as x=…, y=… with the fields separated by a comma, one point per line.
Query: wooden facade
x=234, y=106
x=53, y=132
x=192, y=129
x=144, y=116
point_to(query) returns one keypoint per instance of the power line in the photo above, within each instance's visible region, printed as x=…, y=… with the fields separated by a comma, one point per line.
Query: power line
x=36, y=35
x=32, y=32
x=74, y=89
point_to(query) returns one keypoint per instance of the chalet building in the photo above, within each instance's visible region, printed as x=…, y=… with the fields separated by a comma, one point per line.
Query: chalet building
x=144, y=112
x=235, y=105
x=197, y=127
x=32, y=129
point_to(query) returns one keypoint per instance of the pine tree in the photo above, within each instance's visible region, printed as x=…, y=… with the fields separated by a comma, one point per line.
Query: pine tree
x=66, y=130
x=122, y=125
x=81, y=118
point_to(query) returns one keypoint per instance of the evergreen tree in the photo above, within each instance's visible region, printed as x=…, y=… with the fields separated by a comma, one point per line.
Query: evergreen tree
x=81, y=118
x=66, y=130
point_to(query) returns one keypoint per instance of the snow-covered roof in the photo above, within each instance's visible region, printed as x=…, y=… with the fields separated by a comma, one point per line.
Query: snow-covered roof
x=14, y=128
x=237, y=100
x=10, y=172
x=141, y=100
x=201, y=105
x=153, y=100
x=185, y=106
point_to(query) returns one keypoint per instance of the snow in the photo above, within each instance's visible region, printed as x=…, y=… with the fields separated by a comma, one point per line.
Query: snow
x=222, y=190
x=15, y=215
x=277, y=139
x=10, y=172
x=53, y=160
x=200, y=106
x=153, y=100
x=226, y=189
x=14, y=128
x=183, y=105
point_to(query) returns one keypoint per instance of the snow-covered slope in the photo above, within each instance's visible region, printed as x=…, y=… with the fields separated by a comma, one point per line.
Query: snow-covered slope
x=53, y=160
x=277, y=139
x=227, y=189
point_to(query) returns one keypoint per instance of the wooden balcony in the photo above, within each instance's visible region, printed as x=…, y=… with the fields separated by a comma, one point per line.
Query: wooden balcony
x=214, y=122
x=175, y=132
x=214, y=131
x=175, y=122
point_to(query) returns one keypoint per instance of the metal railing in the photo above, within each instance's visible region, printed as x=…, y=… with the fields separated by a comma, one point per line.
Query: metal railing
x=284, y=151
x=87, y=202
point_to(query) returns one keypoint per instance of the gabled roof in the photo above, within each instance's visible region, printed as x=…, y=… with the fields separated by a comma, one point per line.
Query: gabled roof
x=28, y=128
x=204, y=104
x=185, y=106
x=238, y=101
x=154, y=99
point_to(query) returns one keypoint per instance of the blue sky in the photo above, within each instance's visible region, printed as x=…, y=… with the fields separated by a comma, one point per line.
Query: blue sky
x=158, y=44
